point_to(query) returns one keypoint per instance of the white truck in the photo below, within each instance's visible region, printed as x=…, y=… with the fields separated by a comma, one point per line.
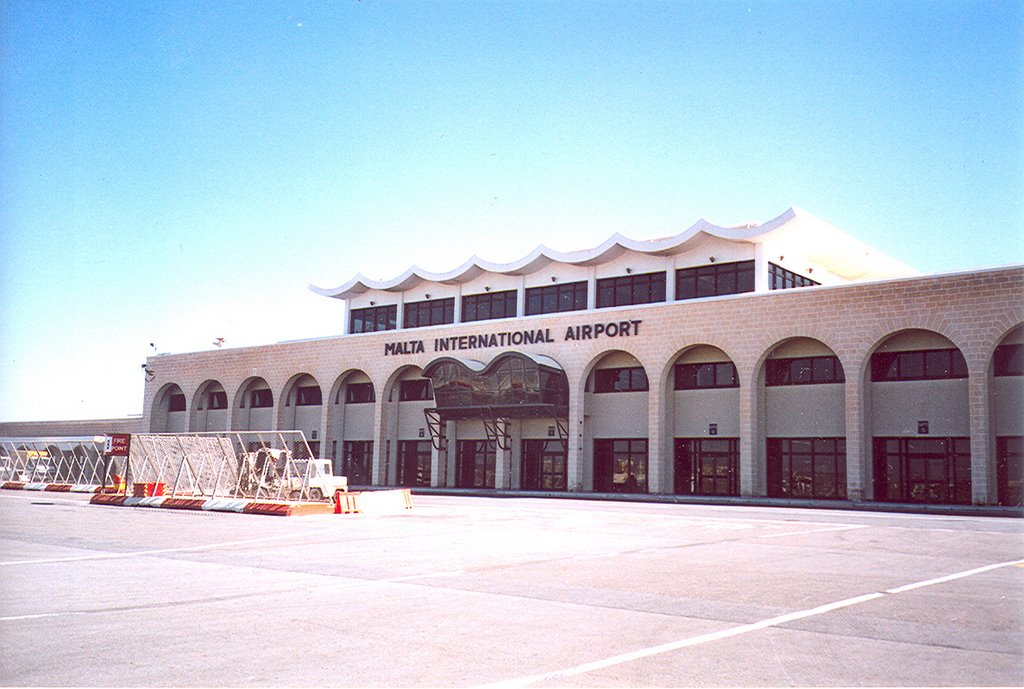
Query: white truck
x=272, y=472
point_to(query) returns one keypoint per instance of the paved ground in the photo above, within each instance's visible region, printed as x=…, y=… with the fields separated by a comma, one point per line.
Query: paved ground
x=468, y=591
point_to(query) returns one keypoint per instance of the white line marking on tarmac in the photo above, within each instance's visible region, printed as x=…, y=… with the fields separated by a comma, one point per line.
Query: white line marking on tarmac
x=736, y=631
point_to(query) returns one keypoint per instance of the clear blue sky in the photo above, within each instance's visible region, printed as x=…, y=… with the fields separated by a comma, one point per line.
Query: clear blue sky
x=173, y=172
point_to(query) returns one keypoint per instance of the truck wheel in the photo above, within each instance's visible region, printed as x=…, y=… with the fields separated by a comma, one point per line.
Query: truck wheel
x=295, y=495
x=316, y=494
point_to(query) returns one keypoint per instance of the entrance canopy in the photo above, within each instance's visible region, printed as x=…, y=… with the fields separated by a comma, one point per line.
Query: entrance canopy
x=513, y=385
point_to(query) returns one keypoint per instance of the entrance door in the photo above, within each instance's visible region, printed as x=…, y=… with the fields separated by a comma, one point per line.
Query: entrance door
x=928, y=470
x=707, y=466
x=544, y=465
x=620, y=465
x=475, y=461
x=414, y=462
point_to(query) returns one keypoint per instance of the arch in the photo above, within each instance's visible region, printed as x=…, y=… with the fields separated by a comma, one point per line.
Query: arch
x=209, y=410
x=1006, y=408
x=349, y=432
x=300, y=404
x=917, y=416
x=169, y=413
x=253, y=407
x=404, y=435
x=615, y=400
x=700, y=384
x=802, y=424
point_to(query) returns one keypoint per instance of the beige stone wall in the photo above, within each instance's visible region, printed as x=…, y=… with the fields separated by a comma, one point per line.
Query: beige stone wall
x=974, y=311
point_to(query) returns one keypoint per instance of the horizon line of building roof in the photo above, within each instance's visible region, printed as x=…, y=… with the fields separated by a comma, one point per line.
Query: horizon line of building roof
x=821, y=242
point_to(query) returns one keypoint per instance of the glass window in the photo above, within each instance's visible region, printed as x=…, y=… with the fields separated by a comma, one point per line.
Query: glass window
x=359, y=393
x=217, y=400
x=261, y=398
x=482, y=307
x=714, y=280
x=927, y=470
x=631, y=289
x=308, y=396
x=357, y=462
x=631, y=379
x=475, y=464
x=719, y=374
x=1010, y=469
x=931, y=364
x=813, y=468
x=620, y=465
x=1009, y=360
x=415, y=390
x=373, y=319
x=419, y=314
x=413, y=463
x=780, y=278
x=707, y=466
x=544, y=465
x=176, y=403
x=571, y=296
x=808, y=370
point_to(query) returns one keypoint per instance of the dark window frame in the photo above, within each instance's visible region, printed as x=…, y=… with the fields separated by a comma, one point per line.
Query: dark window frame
x=821, y=370
x=898, y=470
x=176, y=402
x=699, y=463
x=216, y=399
x=621, y=379
x=715, y=280
x=781, y=278
x=359, y=393
x=414, y=463
x=788, y=479
x=490, y=306
x=629, y=454
x=308, y=396
x=262, y=398
x=710, y=375
x=1008, y=360
x=559, y=298
x=423, y=314
x=415, y=390
x=631, y=290
x=918, y=364
x=373, y=319
x=357, y=462
x=545, y=465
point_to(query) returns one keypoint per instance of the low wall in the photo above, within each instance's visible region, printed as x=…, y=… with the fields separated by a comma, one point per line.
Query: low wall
x=82, y=427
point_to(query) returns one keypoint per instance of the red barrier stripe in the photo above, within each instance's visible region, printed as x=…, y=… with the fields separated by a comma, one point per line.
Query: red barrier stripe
x=184, y=503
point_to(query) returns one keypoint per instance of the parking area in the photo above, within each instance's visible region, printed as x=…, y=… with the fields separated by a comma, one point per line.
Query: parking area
x=465, y=591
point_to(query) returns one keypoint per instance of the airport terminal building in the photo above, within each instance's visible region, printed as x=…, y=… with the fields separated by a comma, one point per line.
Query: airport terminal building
x=784, y=359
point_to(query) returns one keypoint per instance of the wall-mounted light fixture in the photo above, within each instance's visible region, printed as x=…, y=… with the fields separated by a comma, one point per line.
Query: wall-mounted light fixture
x=711, y=258
x=629, y=270
x=427, y=296
x=810, y=270
x=782, y=258
x=373, y=303
x=554, y=279
x=487, y=288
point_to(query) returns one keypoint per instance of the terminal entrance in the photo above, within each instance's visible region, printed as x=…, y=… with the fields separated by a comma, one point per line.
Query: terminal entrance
x=516, y=395
x=707, y=466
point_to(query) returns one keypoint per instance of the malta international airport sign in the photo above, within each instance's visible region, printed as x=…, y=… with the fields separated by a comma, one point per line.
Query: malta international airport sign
x=514, y=338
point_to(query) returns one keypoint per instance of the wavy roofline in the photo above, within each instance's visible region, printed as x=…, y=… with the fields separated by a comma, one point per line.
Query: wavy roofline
x=542, y=255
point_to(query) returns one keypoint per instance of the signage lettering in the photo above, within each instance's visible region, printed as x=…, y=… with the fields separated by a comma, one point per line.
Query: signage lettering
x=515, y=338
